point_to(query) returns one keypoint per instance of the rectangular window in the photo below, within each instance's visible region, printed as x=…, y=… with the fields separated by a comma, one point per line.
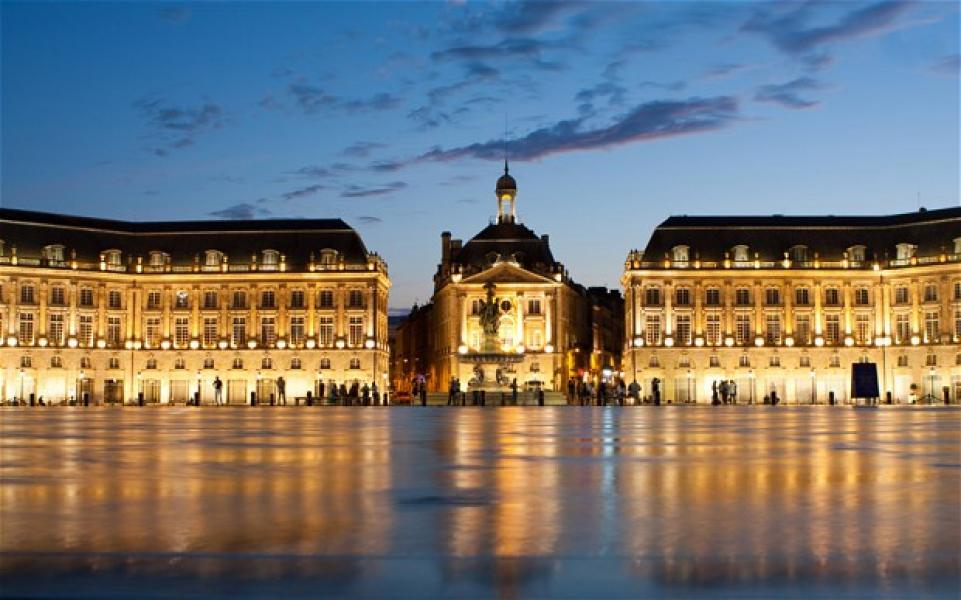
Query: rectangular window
x=682, y=296
x=55, y=330
x=210, y=331
x=210, y=299
x=931, y=292
x=742, y=328
x=475, y=307
x=652, y=296
x=772, y=329
x=713, y=330
x=297, y=299
x=802, y=296
x=267, y=299
x=238, y=332
x=742, y=297
x=58, y=296
x=957, y=290
x=832, y=297
x=325, y=331
x=296, y=330
x=832, y=328
x=802, y=329
x=152, y=332
x=683, y=330
x=326, y=299
x=114, y=332
x=26, y=331
x=932, y=329
x=27, y=294
x=536, y=340
x=653, y=330
x=862, y=329
x=712, y=297
x=356, y=332
x=901, y=295
x=182, y=332
x=957, y=324
x=239, y=299
x=902, y=328
x=861, y=296
x=114, y=299
x=268, y=331
x=86, y=297
x=772, y=296
x=534, y=307
x=85, y=331
x=355, y=299
x=153, y=300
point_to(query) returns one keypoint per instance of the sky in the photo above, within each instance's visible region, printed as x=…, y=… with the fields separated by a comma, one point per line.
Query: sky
x=396, y=116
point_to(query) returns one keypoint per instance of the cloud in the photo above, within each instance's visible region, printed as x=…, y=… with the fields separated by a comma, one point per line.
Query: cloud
x=362, y=149
x=645, y=122
x=303, y=192
x=948, y=65
x=241, y=211
x=175, y=127
x=356, y=191
x=505, y=49
x=311, y=100
x=367, y=220
x=817, y=62
x=174, y=14
x=615, y=94
x=790, y=32
x=532, y=17
x=789, y=94
x=382, y=101
x=268, y=102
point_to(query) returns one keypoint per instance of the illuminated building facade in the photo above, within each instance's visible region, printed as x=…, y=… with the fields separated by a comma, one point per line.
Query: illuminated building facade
x=787, y=304
x=116, y=309
x=542, y=319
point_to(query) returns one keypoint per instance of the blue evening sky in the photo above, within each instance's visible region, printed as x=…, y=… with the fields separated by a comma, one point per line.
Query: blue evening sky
x=392, y=115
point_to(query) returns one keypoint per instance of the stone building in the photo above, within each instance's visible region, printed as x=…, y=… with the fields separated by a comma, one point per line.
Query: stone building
x=115, y=309
x=787, y=304
x=542, y=332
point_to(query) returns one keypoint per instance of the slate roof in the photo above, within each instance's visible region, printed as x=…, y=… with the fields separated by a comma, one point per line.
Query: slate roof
x=709, y=237
x=30, y=231
x=506, y=240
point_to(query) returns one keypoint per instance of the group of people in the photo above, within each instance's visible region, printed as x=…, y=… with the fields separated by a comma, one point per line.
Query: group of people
x=723, y=392
x=613, y=392
x=356, y=394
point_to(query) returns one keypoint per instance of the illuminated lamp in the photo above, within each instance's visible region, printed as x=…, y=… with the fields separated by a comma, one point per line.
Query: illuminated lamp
x=370, y=343
x=698, y=341
x=758, y=341
x=728, y=341
x=520, y=349
x=42, y=342
x=549, y=348
x=669, y=341
x=281, y=344
x=819, y=341
x=128, y=344
x=311, y=344
x=788, y=341
x=340, y=343
x=165, y=344
x=638, y=342
x=462, y=349
x=72, y=342
x=848, y=341
x=137, y=344
x=101, y=344
x=222, y=344
x=194, y=344
x=915, y=340
x=251, y=344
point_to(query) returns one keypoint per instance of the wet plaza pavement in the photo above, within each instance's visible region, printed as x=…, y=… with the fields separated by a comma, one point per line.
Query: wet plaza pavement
x=566, y=502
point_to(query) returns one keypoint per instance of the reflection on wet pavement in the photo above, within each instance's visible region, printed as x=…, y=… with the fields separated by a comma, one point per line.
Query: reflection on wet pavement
x=551, y=502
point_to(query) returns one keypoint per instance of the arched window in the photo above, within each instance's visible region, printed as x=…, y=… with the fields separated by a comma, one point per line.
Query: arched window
x=53, y=254
x=355, y=363
x=680, y=254
x=856, y=253
x=113, y=258
x=271, y=258
x=208, y=363
x=905, y=251
x=295, y=363
x=151, y=363
x=25, y=362
x=798, y=254
x=56, y=362
x=266, y=363
x=180, y=363
x=328, y=257
x=238, y=363
x=740, y=253
x=157, y=259
x=505, y=333
x=212, y=258
x=325, y=363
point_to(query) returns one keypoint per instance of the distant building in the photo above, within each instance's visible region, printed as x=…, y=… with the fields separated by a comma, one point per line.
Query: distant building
x=543, y=318
x=787, y=304
x=115, y=309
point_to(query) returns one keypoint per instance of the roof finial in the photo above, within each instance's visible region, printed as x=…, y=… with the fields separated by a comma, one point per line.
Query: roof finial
x=506, y=168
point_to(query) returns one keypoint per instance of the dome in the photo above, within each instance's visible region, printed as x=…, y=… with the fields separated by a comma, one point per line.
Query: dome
x=506, y=182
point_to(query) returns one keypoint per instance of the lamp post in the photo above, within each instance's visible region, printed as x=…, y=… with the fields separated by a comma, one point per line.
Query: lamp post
x=690, y=378
x=198, y=388
x=930, y=396
x=22, y=375
x=813, y=388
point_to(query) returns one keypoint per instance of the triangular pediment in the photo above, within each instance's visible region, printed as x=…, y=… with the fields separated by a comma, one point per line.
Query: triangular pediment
x=507, y=272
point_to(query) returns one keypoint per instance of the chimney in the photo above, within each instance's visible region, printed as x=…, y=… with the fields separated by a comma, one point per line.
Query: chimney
x=445, y=248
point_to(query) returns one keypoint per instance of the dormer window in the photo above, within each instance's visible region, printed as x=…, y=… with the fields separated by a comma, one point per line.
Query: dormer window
x=906, y=251
x=328, y=257
x=53, y=253
x=212, y=258
x=740, y=253
x=856, y=253
x=798, y=254
x=157, y=258
x=957, y=246
x=112, y=258
x=681, y=254
x=271, y=258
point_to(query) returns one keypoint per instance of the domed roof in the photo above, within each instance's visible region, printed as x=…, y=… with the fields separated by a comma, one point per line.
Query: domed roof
x=506, y=182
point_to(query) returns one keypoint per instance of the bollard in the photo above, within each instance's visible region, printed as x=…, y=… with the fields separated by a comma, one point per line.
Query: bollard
x=310, y=398
x=888, y=396
x=831, y=398
x=946, y=391
x=32, y=400
x=253, y=398
x=271, y=398
x=86, y=398
x=140, y=398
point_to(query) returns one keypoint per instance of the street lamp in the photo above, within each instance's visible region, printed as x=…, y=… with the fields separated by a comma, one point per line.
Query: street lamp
x=690, y=377
x=813, y=383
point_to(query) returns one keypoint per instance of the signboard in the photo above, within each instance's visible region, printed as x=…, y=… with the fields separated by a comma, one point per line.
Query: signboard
x=864, y=380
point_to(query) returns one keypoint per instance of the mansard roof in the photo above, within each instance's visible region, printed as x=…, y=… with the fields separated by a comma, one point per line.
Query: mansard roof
x=508, y=241
x=31, y=231
x=710, y=237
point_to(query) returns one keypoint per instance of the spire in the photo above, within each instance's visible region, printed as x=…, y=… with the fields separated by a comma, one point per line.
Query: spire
x=507, y=170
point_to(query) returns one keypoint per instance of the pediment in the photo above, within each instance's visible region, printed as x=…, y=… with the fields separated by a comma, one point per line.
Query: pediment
x=506, y=272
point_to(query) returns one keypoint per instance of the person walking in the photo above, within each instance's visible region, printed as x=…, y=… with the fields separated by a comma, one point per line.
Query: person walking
x=514, y=391
x=365, y=392
x=423, y=393
x=375, y=393
x=634, y=391
x=218, y=392
x=281, y=391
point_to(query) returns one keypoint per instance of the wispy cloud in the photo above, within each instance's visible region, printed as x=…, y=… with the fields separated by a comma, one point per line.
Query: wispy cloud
x=356, y=191
x=645, y=122
x=362, y=149
x=303, y=192
x=368, y=220
x=789, y=94
x=241, y=211
x=311, y=99
x=948, y=65
x=177, y=126
x=790, y=32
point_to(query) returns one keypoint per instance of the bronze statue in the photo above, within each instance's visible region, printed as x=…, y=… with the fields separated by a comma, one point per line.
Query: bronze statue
x=490, y=312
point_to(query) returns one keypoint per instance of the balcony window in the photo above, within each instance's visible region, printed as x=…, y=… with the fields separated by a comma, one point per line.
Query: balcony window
x=27, y=294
